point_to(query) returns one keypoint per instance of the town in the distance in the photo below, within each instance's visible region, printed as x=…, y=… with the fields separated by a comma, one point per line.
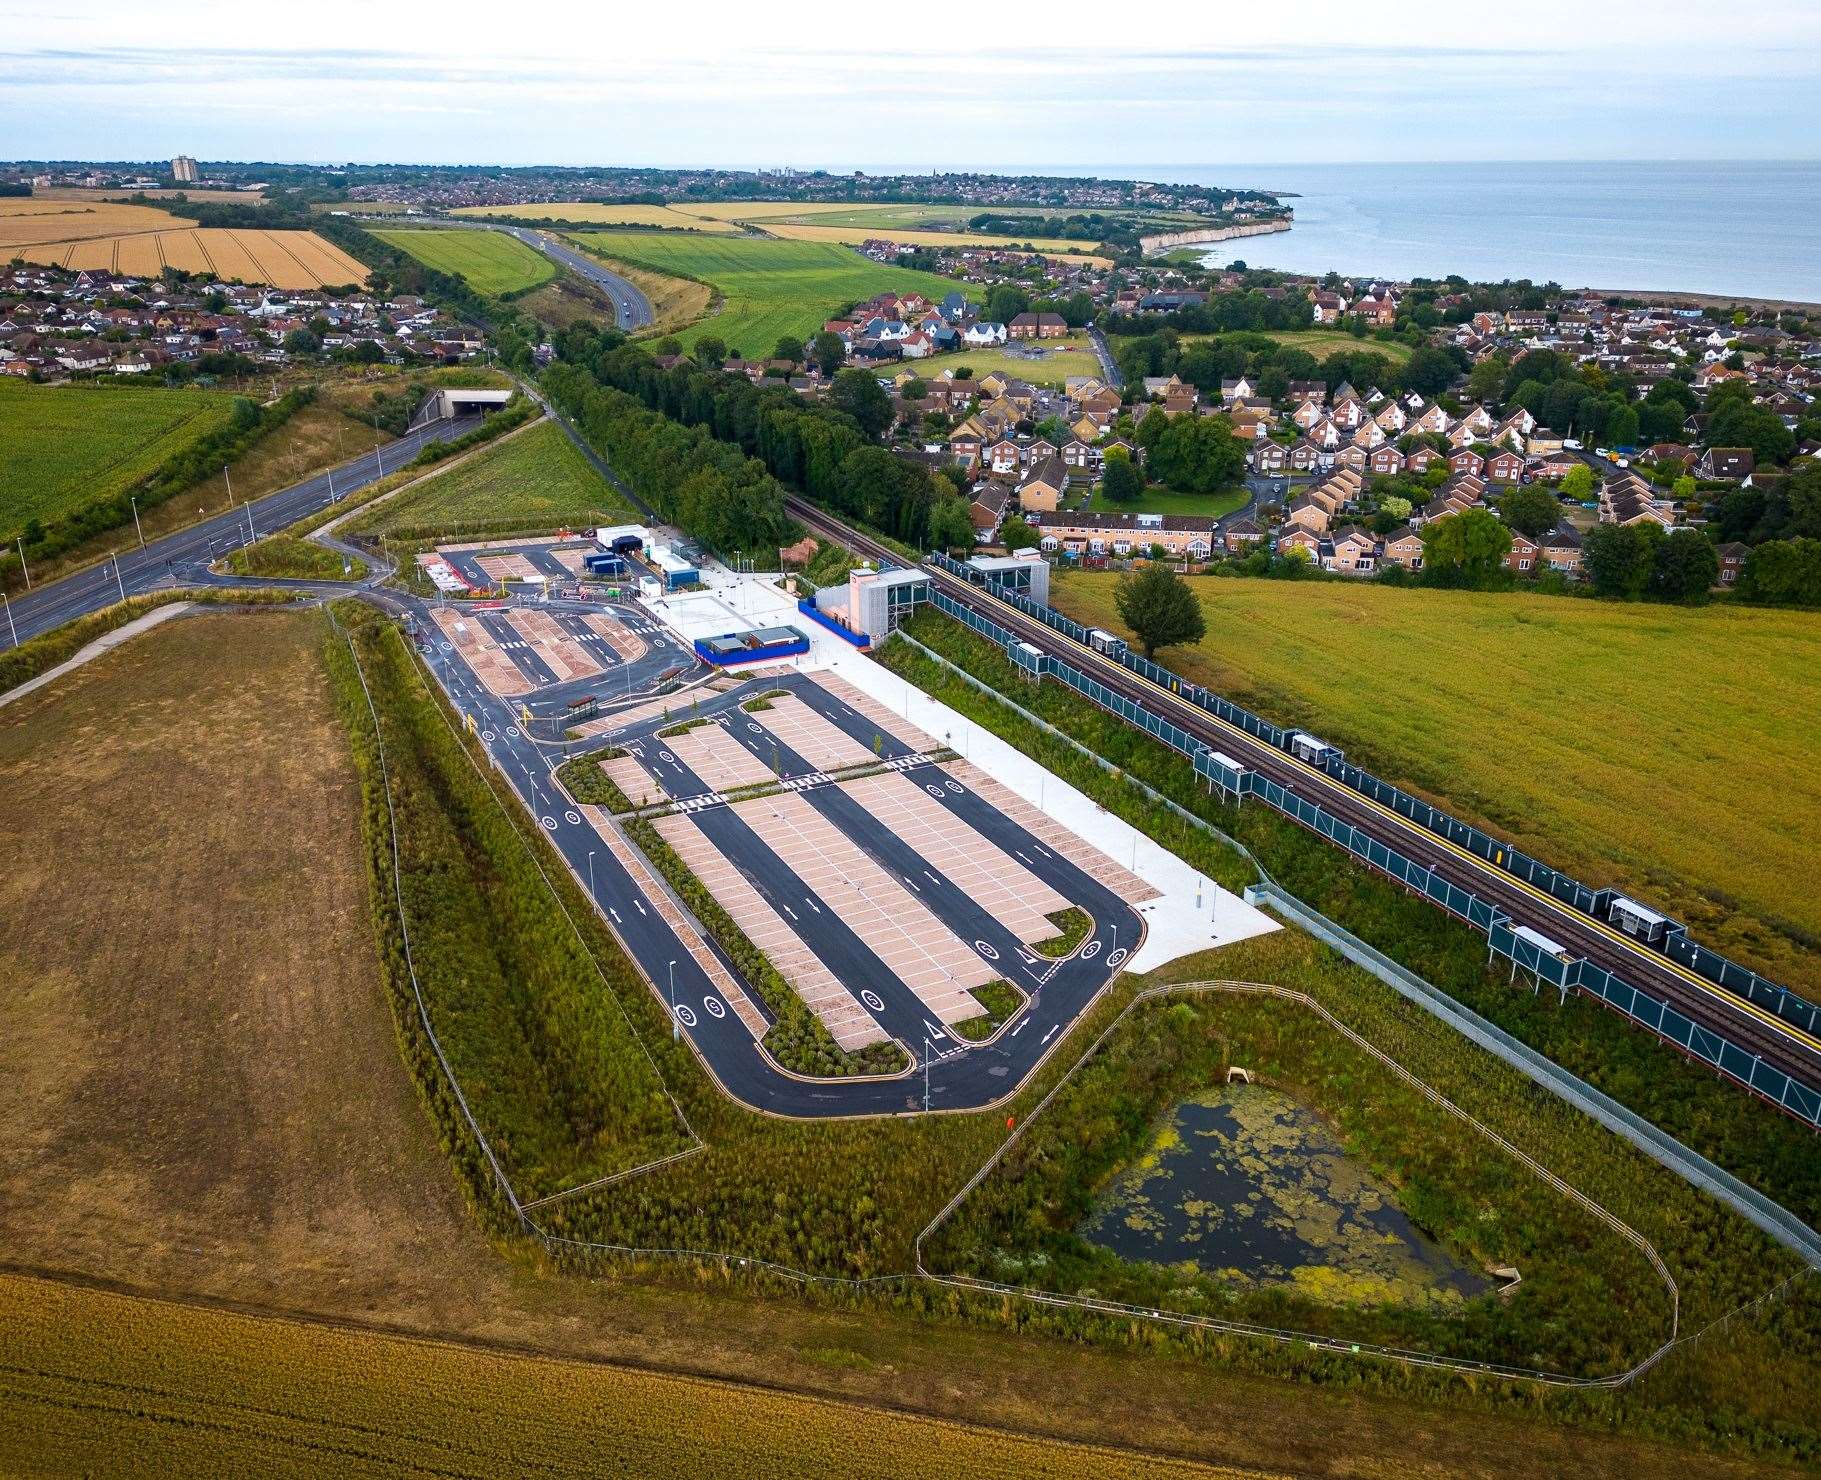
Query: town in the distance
x=780, y=821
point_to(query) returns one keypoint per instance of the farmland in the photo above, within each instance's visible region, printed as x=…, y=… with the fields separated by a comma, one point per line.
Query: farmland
x=534, y=478
x=143, y=240
x=605, y=213
x=63, y=447
x=768, y=288
x=490, y=262
x=1670, y=771
x=320, y=1191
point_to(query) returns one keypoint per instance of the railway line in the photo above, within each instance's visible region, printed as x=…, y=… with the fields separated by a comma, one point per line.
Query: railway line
x=1781, y=1044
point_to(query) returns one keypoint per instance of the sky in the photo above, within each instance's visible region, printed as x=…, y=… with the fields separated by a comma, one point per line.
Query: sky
x=904, y=87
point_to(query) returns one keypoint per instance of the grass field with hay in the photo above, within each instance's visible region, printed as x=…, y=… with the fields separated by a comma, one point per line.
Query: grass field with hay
x=1060, y=359
x=1665, y=750
x=66, y=446
x=768, y=289
x=490, y=262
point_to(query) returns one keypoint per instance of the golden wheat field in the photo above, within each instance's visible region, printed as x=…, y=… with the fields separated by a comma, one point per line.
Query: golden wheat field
x=605, y=213
x=855, y=235
x=112, y=236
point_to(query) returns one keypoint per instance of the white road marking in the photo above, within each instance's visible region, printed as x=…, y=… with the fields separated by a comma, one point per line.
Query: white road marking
x=872, y=999
x=934, y=1031
x=912, y=882
x=616, y=915
x=1052, y=1033
x=641, y=905
x=787, y=909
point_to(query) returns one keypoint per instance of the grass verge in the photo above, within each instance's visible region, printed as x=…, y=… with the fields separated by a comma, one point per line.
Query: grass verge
x=287, y=556
x=998, y=1000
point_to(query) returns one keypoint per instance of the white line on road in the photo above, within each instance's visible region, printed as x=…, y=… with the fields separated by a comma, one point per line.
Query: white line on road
x=1052, y=1033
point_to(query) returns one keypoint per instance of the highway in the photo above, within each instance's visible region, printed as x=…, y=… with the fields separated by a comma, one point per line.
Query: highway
x=1780, y=1043
x=182, y=558
x=632, y=309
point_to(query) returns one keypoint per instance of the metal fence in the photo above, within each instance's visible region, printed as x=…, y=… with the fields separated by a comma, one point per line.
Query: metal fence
x=1561, y=972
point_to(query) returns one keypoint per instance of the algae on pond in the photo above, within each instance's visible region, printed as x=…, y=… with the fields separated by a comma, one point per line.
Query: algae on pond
x=1243, y=1184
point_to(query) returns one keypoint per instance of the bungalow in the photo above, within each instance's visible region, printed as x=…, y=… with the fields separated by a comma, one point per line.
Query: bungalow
x=1240, y=535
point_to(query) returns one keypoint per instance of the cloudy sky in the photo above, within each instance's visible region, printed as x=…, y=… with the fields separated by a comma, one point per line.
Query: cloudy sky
x=912, y=87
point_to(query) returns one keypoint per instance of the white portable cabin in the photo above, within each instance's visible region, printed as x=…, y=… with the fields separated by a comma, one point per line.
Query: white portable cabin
x=1636, y=919
x=1542, y=942
x=1104, y=642
x=620, y=538
x=1312, y=748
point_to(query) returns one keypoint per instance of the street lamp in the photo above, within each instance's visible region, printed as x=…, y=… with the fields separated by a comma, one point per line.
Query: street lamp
x=136, y=529
x=676, y=1023
x=591, y=894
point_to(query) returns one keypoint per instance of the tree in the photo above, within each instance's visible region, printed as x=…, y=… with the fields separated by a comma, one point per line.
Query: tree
x=1430, y=371
x=1738, y=423
x=858, y=393
x=1532, y=511
x=301, y=342
x=1683, y=489
x=1686, y=567
x=1196, y=454
x=1578, y=484
x=1005, y=303
x=710, y=352
x=951, y=525
x=1787, y=572
x=1620, y=558
x=1487, y=378
x=1621, y=429
x=788, y=347
x=827, y=350
x=914, y=389
x=1465, y=549
x=1018, y=535
x=1159, y=608
x=1120, y=477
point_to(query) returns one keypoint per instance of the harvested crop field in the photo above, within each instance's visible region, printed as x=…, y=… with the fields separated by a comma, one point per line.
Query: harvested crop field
x=1666, y=750
x=605, y=213
x=141, y=241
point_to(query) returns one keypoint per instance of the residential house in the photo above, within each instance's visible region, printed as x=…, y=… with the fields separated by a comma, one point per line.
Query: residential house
x=1405, y=548
x=1733, y=556
x=1732, y=463
x=1561, y=550
x=1043, y=486
x=1080, y=532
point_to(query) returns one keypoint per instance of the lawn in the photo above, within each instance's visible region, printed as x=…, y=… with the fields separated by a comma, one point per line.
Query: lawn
x=533, y=478
x=768, y=288
x=1156, y=499
x=1667, y=751
x=63, y=447
x=1062, y=358
x=490, y=262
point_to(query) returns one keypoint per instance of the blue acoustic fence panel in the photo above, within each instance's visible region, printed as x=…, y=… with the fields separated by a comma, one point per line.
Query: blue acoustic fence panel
x=1659, y=1017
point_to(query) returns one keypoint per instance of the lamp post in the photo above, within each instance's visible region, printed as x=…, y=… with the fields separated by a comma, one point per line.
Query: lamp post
x=676, y=1024
x=22, y=565
x=591, y=894
x=9, y=617
x=134, y=499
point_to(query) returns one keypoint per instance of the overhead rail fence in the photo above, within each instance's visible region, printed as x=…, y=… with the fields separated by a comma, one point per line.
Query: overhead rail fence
x=1526, y=949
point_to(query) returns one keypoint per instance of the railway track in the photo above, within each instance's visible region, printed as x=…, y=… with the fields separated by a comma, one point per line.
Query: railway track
x=1780, y=1044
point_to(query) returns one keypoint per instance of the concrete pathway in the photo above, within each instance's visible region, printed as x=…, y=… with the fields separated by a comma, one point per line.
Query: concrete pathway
x=104, y=643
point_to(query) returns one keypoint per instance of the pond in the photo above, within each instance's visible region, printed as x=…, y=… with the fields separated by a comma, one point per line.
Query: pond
x=1251, y=1188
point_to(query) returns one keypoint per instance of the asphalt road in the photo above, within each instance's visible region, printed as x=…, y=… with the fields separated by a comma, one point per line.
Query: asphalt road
x=632, y=309
x=183, y=557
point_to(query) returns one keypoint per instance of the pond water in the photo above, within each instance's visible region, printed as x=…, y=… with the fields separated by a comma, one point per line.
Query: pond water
x=1248, y=1186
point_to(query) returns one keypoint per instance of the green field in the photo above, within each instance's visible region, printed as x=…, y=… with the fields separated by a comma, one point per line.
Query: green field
x=64, y=447
x=768, y=288
x=531, y=479
x=1062, y=359
x=490, y=262
x=1665, y=750
x=1156, y=499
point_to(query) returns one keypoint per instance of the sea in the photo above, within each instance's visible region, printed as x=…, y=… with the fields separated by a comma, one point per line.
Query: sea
x=1746, y=229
